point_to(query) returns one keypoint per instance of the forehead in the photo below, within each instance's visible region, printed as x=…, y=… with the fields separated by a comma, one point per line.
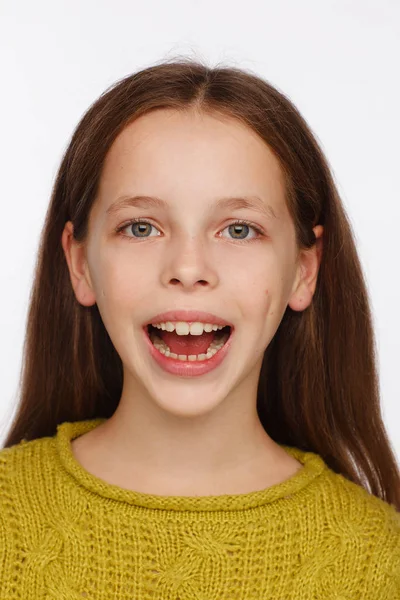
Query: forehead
x=171, y=153
x=161, y=131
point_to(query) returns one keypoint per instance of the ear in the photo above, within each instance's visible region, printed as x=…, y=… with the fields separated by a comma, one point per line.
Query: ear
x=307, y=273
x=77, y=265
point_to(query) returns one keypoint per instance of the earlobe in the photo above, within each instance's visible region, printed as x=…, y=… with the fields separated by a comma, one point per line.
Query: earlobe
x=77, y=266
x=308, y=268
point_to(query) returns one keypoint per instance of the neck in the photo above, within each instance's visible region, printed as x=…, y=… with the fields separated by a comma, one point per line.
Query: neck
x=167, y=455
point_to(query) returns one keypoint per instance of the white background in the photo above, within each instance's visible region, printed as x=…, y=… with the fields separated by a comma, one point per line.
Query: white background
x=337, y=61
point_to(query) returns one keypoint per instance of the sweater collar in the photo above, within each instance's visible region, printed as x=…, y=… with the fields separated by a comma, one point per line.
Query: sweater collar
x=290, y=490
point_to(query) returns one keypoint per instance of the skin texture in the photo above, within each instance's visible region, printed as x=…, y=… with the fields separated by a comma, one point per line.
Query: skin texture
x=178, y=435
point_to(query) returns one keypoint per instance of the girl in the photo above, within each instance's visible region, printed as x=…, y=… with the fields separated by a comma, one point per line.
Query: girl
x=199, y=412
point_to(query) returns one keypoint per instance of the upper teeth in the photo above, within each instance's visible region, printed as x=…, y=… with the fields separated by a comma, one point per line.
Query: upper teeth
x=183, y=328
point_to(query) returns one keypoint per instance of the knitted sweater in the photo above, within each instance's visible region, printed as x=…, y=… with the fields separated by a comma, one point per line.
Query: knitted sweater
x=66, y=534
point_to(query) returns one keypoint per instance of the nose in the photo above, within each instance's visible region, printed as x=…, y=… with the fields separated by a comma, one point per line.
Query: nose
x=190, y=266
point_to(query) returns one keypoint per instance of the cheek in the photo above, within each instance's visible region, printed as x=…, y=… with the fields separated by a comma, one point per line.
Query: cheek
x=264, y=300
x=256, y=300
x=120, y=282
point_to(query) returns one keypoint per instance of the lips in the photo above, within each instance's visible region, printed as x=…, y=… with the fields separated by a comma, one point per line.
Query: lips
x=187, y=368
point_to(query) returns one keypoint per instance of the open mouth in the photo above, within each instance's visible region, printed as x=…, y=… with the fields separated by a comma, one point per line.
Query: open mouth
x=188, y=347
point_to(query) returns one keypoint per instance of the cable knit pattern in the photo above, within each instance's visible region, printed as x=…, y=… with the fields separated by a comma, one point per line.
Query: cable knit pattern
x=67, y=535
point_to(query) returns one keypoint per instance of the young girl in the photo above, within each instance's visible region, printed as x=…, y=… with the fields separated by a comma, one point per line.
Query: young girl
x=199, y=412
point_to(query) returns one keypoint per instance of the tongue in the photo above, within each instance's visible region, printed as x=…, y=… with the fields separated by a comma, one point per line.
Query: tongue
x=187, y=344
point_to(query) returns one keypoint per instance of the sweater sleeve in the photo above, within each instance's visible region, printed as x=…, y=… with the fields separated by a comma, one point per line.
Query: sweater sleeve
x=5, y=534
x=3, y=540
x=384, y=578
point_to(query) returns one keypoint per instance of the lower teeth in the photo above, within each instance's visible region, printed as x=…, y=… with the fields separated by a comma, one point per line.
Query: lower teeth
x=211, y=350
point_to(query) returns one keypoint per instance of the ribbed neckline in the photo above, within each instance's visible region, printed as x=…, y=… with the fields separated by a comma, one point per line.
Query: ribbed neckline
x=313, y=466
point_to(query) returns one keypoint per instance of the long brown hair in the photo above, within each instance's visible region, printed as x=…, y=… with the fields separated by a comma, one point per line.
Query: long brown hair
x=318, y=388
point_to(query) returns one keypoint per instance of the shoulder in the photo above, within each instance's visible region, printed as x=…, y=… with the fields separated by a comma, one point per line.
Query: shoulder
x=25, y=471
x=367, y=527
x=360, y=506
x=352, y=506
x=26, y=497
x=20, y=458
x=341, y=502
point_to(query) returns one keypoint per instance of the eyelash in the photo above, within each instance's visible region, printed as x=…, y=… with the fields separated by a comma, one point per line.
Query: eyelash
x=239, y=222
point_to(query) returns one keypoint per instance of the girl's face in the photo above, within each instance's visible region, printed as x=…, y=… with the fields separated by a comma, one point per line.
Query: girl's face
x=191, y=257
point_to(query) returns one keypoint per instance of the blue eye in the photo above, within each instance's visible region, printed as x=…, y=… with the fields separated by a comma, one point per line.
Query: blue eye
x=138, y=222
x=241, y=224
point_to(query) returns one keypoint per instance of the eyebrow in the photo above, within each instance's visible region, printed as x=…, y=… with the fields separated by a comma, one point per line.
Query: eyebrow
x=231, y=203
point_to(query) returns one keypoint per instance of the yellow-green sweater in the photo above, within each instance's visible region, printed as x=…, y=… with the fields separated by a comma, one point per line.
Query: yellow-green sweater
x=66, y=535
